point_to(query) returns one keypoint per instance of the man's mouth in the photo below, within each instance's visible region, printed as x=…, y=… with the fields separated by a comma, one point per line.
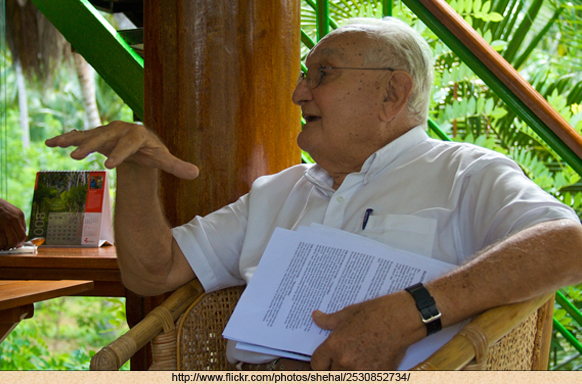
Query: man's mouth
x=311, y=118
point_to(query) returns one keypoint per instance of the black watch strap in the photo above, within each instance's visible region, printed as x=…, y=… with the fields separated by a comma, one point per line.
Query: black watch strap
x=429, y=313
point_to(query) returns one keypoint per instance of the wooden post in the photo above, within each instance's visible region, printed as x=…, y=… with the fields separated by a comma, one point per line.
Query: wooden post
x=218, y=82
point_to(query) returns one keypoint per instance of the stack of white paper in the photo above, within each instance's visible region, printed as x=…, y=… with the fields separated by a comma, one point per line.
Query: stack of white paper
x=326, y=269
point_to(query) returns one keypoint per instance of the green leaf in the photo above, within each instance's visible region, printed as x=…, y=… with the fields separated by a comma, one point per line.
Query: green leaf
x=449, y=113
x=495, y=17
x=498, y=113
x=498, y=45
x=456, y=109
x=477, y=6
x=486, y=7
x=471, y=106
x=489, y=107
x=480, y=105
x=488, y=36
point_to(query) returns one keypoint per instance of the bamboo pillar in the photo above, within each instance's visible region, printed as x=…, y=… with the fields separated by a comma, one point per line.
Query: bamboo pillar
x=218, y=82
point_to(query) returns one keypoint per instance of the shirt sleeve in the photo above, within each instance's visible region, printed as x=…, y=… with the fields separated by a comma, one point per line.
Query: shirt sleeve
x=499, y=200
x=212, y=245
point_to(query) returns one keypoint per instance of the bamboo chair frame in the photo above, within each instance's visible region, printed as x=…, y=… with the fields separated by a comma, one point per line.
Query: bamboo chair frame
x=511, y=337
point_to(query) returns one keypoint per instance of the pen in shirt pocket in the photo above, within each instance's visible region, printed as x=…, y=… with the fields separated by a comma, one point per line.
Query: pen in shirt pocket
x=366, y=217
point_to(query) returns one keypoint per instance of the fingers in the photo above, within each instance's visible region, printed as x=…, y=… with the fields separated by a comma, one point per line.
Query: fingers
x=133, y=140
x=13, y=238
x=147, y=149
x=65, y=140
x=120, y=142
x=3, y=240
x=11, y=235
x=180, y=168
x=12, y=225
x=321, y=358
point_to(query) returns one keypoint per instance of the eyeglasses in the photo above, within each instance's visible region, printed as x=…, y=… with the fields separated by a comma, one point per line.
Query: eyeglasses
x=314, y=76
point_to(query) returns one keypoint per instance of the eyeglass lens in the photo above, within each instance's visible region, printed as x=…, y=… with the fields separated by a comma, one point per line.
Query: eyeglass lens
x=313, y=77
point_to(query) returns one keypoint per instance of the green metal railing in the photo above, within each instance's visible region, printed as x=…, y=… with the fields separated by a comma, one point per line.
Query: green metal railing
x=512, y=101
x=498, y=87
x=575, y=315
x=105, y=50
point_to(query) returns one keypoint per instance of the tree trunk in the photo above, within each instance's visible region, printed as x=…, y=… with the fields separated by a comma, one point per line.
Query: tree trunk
x=87, y=83
x=22, y=104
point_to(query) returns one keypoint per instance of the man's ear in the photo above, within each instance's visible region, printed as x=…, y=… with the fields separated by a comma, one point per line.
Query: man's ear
x=398, y=91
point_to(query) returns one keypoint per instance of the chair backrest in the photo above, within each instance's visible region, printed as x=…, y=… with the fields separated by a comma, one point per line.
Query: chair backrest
x=527, y=346
x=201, y=345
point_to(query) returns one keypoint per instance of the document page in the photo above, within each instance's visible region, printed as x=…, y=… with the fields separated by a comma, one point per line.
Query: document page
x=326, y=269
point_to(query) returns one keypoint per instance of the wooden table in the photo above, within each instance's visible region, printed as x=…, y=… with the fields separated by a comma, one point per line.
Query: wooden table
x=96, y=264
x=17, y=298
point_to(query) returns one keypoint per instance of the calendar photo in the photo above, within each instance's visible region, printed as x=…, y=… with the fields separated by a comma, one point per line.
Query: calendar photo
x=71, y=208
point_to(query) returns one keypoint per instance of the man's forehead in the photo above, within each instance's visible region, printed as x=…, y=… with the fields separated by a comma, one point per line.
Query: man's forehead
x=343, y=46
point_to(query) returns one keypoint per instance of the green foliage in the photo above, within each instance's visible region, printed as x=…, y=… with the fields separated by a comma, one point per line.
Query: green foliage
x=52, y=112
x=64, y=334
x=542, y=40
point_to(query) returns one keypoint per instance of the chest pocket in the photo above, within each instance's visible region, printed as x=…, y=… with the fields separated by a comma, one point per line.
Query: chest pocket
x=407, y=232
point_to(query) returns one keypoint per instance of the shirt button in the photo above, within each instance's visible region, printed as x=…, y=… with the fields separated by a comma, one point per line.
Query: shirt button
x=340, y=199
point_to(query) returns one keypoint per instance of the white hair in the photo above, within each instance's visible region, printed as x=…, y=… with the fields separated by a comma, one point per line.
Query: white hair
x=396, y=45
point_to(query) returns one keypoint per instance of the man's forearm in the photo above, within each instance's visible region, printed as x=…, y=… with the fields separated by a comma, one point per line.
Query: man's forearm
x=142, y=235
x=532, y=262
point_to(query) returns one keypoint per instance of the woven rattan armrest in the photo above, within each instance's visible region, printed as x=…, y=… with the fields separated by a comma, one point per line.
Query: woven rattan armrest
x=114, y=355
x=476, y=338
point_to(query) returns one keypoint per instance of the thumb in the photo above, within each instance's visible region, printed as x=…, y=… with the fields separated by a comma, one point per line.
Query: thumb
x=326, y=321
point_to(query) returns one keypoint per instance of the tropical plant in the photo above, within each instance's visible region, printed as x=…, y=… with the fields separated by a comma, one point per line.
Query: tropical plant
x=538, y=37
x=64, y=333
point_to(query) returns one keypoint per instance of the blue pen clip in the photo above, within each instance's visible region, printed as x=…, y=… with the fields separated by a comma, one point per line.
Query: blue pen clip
x=366, y=217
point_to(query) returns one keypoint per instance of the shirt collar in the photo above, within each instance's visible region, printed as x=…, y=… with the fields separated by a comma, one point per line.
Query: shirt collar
x=373, y=164
x=392, y=151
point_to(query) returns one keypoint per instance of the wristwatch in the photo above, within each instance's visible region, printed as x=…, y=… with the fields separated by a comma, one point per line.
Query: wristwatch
x=429, y=313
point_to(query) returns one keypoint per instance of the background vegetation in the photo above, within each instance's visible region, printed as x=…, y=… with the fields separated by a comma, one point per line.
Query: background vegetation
x=539, y=37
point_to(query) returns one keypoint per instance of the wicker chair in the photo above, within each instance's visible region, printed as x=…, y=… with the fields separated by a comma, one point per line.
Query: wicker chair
x=512, y=337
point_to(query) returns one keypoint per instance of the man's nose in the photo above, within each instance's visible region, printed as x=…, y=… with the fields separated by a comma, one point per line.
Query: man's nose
x=302, y=93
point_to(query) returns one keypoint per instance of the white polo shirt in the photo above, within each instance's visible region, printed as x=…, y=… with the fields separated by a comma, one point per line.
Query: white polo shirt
x=440, y=199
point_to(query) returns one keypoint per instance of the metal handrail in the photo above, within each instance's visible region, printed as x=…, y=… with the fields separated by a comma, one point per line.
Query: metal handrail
x=498, y=75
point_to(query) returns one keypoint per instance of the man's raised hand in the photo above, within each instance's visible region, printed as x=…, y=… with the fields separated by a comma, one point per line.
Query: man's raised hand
x=125, y=142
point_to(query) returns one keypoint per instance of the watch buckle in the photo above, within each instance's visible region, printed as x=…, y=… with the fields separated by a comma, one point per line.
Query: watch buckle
x=431, y=319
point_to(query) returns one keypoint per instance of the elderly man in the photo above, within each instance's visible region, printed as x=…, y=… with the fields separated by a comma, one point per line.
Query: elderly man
x=365, y=101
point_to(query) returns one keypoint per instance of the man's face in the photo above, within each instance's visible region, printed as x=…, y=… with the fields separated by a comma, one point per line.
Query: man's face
x=343, y=126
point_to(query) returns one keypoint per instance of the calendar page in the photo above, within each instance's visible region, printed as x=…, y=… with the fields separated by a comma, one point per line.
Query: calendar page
x=71, y=208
